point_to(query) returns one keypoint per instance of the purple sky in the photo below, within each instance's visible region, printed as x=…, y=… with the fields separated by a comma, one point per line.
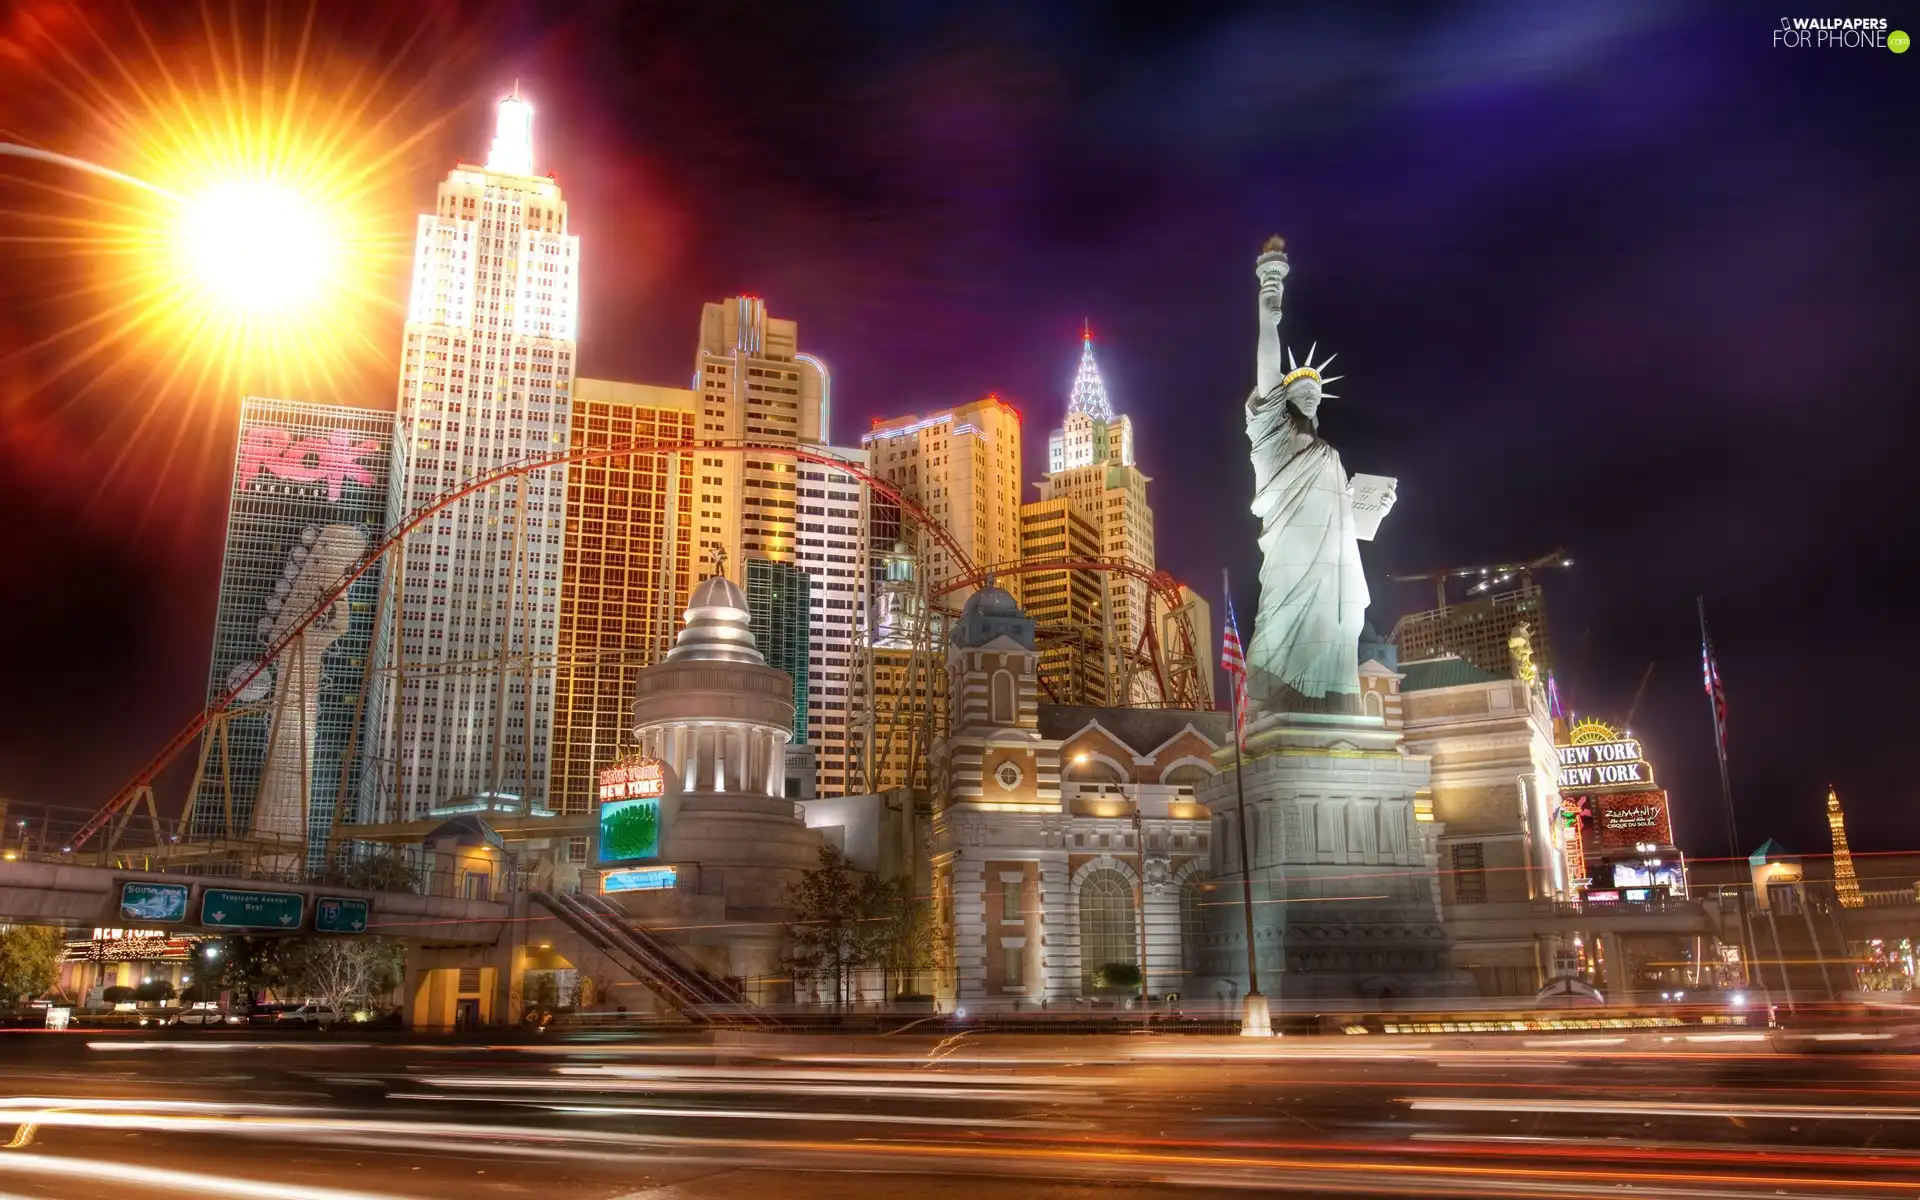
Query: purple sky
x=1623, y=278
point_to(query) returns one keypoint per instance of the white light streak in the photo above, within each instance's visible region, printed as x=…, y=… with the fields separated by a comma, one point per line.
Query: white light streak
x=149, y=1178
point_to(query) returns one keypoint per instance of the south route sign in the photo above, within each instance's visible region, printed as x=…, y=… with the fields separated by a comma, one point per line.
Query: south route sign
x=228, y=909
x=337, y=914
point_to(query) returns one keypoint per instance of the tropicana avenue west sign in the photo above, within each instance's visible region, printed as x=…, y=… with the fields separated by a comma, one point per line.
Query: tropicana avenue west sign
x=1604, y=764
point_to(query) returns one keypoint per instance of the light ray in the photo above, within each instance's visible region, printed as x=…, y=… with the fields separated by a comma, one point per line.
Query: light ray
x=205, y=203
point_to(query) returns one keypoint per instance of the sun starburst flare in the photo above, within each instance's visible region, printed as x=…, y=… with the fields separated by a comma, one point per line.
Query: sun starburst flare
x=243, y=223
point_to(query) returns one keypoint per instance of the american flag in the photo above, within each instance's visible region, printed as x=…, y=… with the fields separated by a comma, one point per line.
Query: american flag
x=1233, y=660
x=1715, y=692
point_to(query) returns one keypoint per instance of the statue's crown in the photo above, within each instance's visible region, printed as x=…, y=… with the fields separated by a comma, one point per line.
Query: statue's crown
x=1308, y=369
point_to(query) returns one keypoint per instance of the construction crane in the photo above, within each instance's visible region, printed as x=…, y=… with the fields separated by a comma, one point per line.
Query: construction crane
x=1485, y=577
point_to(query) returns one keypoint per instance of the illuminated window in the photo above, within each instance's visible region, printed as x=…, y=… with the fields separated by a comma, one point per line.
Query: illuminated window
x=1107, y=932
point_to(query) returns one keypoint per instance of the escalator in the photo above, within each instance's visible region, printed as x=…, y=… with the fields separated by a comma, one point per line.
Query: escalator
x=663, y=968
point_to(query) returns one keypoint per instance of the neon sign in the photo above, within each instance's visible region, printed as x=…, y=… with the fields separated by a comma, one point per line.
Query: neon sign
x=334, y=458
x=641, y=779
x=640, y=879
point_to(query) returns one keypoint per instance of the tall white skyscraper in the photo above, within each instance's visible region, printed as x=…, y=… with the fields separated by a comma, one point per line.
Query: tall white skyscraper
x=464, y=696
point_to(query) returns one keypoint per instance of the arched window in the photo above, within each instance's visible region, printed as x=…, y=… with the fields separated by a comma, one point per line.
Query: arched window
x=1002, y=709
x=1085, y=768
x=1188, y=774
x=1107, y=933
x=1373, y=704
x=1193, y=896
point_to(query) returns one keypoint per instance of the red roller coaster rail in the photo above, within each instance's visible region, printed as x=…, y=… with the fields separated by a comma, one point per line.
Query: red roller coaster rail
x=398, y=533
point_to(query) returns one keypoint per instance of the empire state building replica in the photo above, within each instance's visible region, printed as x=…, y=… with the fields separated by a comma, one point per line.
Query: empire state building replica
x=464, y=698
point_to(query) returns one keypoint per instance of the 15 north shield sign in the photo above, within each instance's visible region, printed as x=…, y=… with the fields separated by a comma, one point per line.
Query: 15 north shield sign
x=338, y=914
x=230, y=909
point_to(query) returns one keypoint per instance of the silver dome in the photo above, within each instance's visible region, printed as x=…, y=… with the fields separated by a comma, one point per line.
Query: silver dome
x=718, y=628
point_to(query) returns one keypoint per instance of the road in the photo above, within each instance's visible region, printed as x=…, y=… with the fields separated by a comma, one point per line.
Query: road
x=108, y=1116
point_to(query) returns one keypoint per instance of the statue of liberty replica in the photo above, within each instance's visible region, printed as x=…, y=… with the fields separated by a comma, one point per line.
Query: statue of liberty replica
x=1313, y=594
x=1340, y=852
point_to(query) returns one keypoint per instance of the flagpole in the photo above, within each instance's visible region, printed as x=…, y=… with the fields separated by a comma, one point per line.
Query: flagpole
x=1747, y=964
x=1255, y=1018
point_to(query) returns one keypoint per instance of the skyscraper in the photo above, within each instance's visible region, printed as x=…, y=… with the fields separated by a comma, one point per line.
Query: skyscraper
x=756, y=386
x=1069, y=606
x=963, y=466
x=630, y=566
x=1478, y=629
x=1090, y=463
x=486, y=378
x=308, y=500
x=779, y=605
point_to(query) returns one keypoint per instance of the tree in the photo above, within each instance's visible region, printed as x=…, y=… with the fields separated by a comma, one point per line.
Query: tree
x=841, y=926
x=1117, y=976
x=824, y=939
x=154, y=991
x=341, y=972
x=29, y=961
x=540, y=993
x=374, y=869
x=905, y=934
x=245, y=966
x=117, y=994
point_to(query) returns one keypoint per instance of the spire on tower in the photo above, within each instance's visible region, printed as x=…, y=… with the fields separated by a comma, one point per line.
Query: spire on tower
x=1089, y=391
x=1845, y=883
x=512, y=150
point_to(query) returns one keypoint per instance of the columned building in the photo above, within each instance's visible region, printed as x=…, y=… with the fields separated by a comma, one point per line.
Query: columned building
x=1048, y=885
x=464, y=702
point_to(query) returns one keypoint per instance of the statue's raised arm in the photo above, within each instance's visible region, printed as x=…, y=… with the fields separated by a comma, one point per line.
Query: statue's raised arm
x=1269, y=361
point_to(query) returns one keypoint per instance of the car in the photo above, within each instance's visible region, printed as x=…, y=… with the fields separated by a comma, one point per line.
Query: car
x=266, y=1014
x=207, y=1018
x=311, y=1016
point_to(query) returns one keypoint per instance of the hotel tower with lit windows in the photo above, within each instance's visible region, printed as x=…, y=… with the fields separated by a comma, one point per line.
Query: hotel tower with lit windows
x=463, y=703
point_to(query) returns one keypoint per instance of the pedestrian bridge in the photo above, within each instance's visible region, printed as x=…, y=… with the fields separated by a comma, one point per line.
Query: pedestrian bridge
x=51, y=893
x=1688, y=918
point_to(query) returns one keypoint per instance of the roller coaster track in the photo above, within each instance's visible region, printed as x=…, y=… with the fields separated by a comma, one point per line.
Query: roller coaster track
x=143, y=781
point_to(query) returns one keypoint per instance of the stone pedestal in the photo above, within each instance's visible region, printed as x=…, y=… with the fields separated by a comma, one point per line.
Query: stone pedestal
x=1346, y=900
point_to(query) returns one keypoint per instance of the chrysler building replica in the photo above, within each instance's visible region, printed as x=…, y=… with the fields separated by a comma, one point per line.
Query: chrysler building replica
x=1090, y=469
x=463, y=703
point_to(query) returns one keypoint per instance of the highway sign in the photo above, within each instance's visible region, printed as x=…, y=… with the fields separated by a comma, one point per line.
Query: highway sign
x=153, y=901
x=231, y=909
x=337, y=914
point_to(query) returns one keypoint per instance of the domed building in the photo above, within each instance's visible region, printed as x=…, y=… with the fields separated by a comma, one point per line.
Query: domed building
x=717, y=719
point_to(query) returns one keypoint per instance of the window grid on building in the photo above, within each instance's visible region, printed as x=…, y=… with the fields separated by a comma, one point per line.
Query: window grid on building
x=630, y=568
x=1107, y=931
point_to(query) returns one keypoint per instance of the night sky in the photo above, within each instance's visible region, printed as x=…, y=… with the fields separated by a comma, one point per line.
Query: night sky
x=1622, y=278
